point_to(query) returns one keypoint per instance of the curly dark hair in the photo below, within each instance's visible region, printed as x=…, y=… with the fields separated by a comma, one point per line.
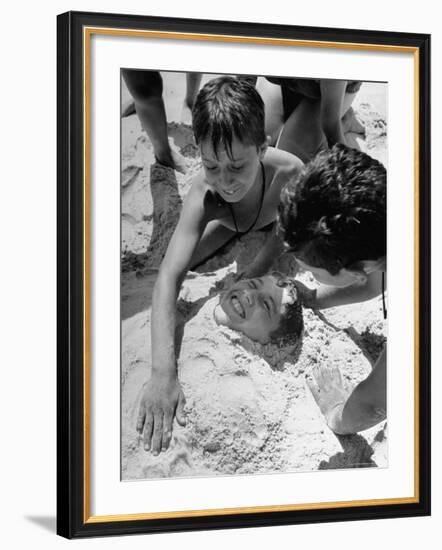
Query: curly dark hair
x=334, y=214
x=227, y=107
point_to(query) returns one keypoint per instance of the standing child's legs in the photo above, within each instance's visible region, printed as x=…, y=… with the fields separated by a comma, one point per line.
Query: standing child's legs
x=302, y=133
x=146, y=87
x=193, y=81
x=350, y=124
x=274, y=111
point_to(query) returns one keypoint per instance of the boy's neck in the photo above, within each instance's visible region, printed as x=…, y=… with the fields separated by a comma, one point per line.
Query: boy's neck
x=254, y=192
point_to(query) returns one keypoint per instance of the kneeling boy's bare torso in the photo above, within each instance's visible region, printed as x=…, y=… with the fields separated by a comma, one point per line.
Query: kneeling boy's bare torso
x=279, y=167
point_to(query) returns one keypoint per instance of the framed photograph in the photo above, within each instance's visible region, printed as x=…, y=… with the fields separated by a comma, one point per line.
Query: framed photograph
x=224, y=229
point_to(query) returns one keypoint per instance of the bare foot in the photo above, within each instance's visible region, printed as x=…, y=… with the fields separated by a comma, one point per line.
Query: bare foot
x=186, y=114
x=128, y=108
x=351, y=124
x=173, y=160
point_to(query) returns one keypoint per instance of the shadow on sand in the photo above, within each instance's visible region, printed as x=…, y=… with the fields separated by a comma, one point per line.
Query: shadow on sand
x=139, y=271
x=356, y=453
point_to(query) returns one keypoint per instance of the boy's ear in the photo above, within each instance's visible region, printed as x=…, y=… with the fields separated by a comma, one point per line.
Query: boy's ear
x=264, y=147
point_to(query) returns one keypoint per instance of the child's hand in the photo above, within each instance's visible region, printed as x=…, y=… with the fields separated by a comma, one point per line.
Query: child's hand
x=328, y=390
x=161, y=400
x=306, y=295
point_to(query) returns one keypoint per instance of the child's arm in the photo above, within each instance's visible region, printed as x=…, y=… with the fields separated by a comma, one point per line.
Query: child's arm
x=332, y=97
x=163, y=397
x=269, y=253
x=327, y=296
x=363, y=408
x=288, y=168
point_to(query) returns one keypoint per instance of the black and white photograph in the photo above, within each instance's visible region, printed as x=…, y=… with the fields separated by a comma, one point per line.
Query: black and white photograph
x=253, y=274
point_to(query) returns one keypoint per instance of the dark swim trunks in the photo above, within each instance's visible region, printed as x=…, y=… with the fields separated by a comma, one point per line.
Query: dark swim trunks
x=293, y=90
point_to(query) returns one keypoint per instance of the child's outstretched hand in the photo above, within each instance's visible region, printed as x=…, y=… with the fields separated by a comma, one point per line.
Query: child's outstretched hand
x=329, y=392
x=162, y=399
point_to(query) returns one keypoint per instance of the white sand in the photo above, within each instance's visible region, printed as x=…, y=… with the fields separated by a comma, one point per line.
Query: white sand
x=248, y=408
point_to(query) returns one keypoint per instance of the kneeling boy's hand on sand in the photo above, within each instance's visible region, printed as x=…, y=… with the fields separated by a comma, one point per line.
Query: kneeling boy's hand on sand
x=328, y=390
x=162, y=399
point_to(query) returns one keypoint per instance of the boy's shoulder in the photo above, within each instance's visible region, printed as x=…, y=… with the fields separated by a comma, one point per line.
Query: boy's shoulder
x=283, y=164
x=201, y=195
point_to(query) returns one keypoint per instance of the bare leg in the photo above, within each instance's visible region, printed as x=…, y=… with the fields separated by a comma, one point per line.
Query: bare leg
x=351, y=124
x=146, y=87
x=274, y=112
x=302, y=134
x=215, y=236
x=128, y=108
x=193, y=81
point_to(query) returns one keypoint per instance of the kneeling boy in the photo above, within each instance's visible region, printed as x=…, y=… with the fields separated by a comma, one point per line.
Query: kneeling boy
x=333, y=218
x=237, y=190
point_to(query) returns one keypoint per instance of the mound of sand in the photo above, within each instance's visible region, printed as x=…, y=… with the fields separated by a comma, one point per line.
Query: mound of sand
x=244, y=415
x=248, y=409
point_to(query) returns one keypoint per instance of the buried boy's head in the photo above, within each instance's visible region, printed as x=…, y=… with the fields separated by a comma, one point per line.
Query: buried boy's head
x=333, y=217
x=265, y=309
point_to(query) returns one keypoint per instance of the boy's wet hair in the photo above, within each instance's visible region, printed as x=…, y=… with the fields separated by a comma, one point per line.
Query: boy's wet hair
x=334, y=215
x=228, y=107
x=291, y=326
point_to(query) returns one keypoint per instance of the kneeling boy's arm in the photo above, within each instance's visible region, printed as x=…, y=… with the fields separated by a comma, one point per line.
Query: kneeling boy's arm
x=163, y=397
x=366, y=405
x=269, y=253
x=327, y=296
x=172, y=272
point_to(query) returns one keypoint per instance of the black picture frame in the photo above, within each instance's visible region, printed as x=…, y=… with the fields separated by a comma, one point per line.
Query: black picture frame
x=72, y=517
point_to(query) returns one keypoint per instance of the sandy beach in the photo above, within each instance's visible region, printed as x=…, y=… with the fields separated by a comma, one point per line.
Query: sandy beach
x=248, y=407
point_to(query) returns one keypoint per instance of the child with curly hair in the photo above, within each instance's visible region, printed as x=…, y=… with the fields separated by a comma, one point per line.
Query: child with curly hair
x=334, y=219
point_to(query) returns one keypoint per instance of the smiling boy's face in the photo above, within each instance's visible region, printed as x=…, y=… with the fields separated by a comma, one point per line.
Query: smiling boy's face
x=255, y=306
x=231, y=176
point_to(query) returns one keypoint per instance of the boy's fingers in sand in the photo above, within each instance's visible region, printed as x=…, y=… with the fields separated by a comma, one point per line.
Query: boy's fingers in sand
x=167, y=430
x=335, y=375
x=321, y=377
x=180, y=415
x=329, y=378
x=314, y=374
x=313, y=386
x=148, y=425
x=141, y=417
x=157, y=433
